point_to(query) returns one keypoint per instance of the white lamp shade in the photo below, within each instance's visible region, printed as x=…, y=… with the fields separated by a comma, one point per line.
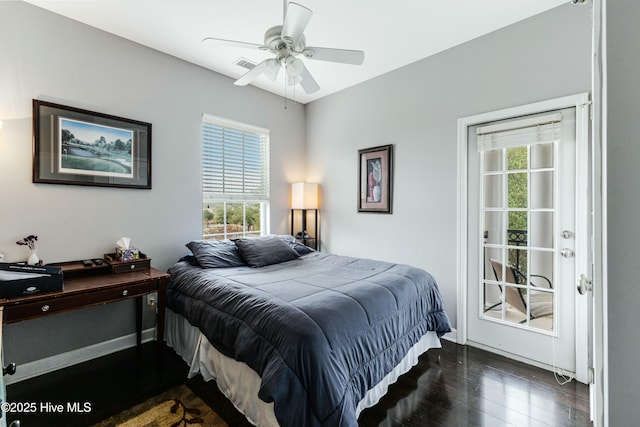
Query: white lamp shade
x=304, y=195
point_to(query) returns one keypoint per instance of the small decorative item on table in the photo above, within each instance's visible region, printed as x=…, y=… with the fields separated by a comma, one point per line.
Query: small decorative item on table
x=30, y=241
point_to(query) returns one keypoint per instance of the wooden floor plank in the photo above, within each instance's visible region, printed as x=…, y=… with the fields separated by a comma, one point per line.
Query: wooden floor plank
x=453, y=386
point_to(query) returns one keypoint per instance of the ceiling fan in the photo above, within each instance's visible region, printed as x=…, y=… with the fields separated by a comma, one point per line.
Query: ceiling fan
x=287, y=42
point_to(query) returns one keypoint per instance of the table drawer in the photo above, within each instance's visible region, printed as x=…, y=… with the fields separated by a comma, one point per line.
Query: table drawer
x=18, y=312
x=130, y=266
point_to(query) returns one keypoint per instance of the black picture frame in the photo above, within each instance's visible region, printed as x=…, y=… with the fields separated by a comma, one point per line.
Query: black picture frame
x=375, y=179
x=81, y=147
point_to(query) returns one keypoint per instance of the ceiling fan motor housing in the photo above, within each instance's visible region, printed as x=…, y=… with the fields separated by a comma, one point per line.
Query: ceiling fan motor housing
x=274, y=41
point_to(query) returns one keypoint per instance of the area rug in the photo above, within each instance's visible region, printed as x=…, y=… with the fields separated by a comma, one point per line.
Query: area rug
x=177, y=407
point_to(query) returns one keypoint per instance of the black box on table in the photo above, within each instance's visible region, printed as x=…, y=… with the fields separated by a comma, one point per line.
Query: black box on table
x=17, y=280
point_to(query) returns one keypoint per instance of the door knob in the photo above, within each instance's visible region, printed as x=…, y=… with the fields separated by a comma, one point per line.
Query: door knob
x=566, y=234
x=585, y=285
x=567, y=253
x=10, y=369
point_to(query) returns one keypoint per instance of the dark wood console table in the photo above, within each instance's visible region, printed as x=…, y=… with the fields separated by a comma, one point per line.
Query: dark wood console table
x=88, y=290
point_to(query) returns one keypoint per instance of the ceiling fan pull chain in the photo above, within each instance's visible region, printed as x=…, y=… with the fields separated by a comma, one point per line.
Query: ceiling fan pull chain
x=293, y=98
x=285, y=90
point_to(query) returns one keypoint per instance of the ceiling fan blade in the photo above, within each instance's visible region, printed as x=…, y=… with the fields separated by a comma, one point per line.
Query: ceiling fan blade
x=252, y=74
x=295, y=21
x=234, y=43
x=308, y=83
x=344, y=56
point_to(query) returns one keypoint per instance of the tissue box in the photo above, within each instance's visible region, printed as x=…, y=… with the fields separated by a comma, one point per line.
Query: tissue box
x=127, y=254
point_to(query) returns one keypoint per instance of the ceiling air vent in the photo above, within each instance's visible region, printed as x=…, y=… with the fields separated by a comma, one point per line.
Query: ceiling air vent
x=245, y=63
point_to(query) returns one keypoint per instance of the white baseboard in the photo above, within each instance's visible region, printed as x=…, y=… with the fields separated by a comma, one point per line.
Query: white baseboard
x=520, y=359
x=33, y=369
x=451, y=336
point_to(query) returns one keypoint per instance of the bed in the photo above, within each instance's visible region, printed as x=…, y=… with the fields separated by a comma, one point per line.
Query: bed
x=296, y=337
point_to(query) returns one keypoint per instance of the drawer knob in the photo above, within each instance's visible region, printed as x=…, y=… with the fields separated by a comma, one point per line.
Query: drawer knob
x=45, y=308
x=125, y=293
x=133, y=266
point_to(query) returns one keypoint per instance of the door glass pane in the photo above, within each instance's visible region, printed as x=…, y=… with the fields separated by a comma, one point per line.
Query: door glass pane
x=492, y=300
x=541, y=269
x=518, y=222
x=492, y=191
x=516, y=309
x=542, y=309
x=541, y=230
x=518, y=263
x=542, y=190
x=493, y=160
x=517, y=158
x=517, y=237
x=518, y=189
x=489, y=255
x=493, y=226
x=542, y=156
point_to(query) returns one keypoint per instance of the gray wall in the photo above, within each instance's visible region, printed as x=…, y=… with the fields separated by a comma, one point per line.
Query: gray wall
x=48, y=57
x=623, y=205
x=417, y=108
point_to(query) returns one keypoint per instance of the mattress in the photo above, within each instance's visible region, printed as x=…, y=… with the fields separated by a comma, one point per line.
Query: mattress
x=240, y=384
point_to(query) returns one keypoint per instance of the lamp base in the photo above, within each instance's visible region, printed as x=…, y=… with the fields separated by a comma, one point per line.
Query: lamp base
x=302, y=235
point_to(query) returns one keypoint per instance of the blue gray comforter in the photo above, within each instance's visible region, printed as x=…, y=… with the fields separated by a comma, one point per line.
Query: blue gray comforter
x=320, y=330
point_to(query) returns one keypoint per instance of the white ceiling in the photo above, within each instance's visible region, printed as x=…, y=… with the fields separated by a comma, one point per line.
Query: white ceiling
x=391, y=33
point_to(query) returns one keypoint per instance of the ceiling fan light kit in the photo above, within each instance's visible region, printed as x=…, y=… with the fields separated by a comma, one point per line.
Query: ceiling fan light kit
x=287, y=42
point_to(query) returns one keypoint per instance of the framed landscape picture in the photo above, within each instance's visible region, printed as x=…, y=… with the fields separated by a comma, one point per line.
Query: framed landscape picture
x=81, y=147
x=375, y=173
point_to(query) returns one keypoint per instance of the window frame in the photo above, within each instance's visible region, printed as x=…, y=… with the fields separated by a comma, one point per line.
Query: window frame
x=249, y=180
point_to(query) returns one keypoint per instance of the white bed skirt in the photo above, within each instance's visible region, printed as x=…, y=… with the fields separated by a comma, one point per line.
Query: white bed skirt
x=240, y=384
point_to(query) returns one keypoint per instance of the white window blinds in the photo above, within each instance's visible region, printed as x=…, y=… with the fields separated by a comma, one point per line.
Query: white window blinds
x=235, y=160
x=516, y=133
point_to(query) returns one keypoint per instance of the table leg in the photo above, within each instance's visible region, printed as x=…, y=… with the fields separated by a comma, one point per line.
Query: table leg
x=139, y=305
x=162, y=304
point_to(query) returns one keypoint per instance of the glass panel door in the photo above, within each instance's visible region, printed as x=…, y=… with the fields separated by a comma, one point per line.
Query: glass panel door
x=521, y=197
x=525, y=234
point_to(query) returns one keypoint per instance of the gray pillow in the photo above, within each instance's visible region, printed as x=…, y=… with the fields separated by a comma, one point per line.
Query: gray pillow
x=300, y=248
x=261, y=251
x=215, y=253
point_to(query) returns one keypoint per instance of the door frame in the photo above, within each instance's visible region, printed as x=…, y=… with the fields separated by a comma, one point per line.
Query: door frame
x=583, y=233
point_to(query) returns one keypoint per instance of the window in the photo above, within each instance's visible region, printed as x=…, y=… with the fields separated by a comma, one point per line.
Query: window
x=235, y=179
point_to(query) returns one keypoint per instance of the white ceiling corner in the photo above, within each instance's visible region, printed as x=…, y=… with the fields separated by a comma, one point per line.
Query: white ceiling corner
x=392, y=34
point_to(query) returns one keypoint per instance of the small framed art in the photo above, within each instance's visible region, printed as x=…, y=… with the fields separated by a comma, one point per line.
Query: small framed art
x=375, y=179
x=81, y=147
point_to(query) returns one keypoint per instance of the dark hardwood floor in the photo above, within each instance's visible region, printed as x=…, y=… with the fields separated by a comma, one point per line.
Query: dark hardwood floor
x=453, y=386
